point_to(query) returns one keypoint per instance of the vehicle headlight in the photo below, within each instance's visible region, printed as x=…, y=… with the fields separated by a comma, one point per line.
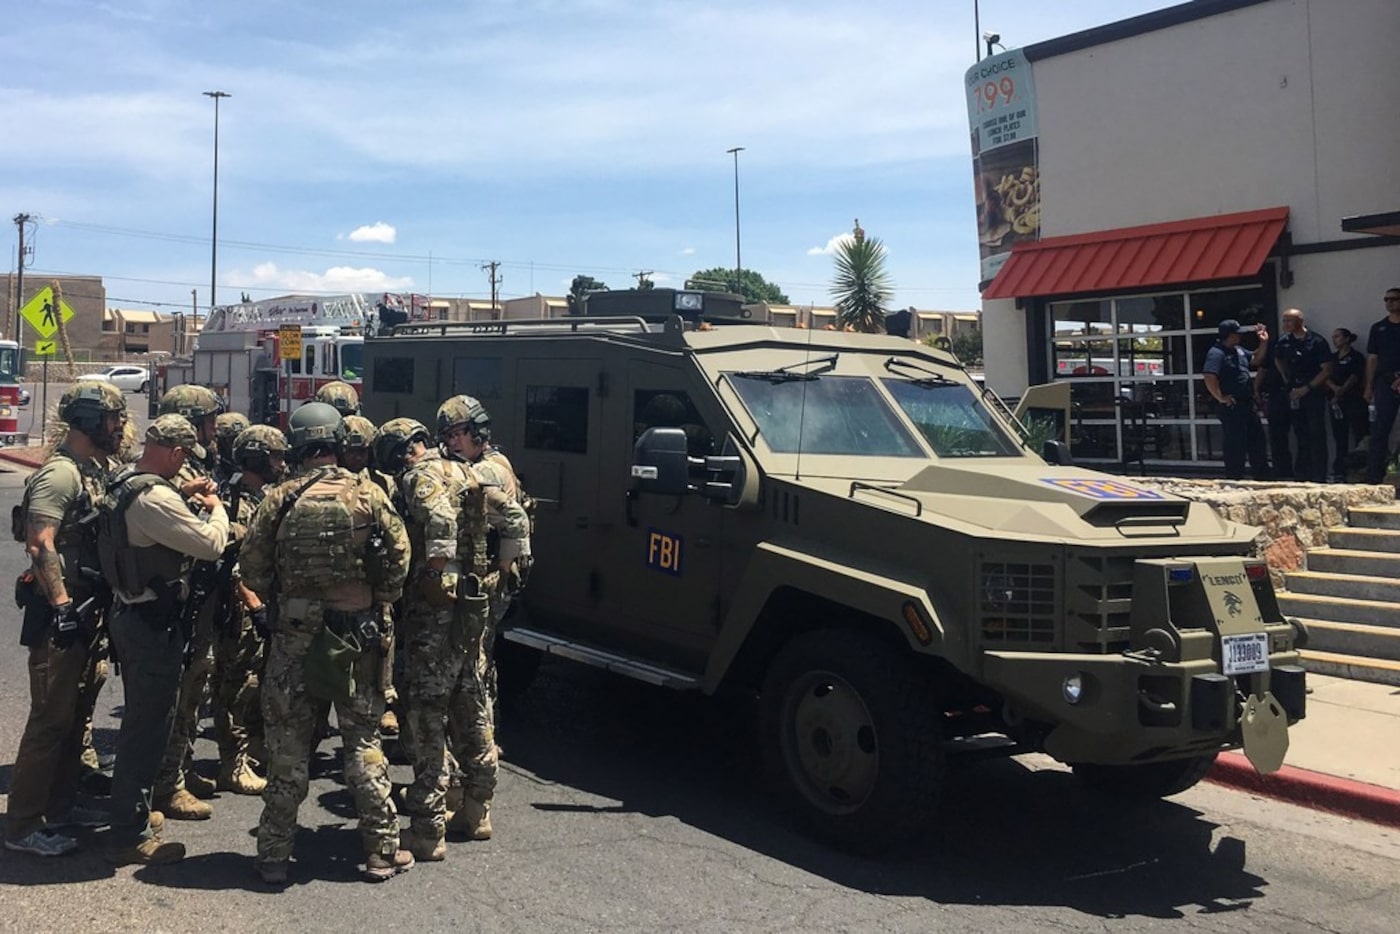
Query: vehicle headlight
x=1073, y=688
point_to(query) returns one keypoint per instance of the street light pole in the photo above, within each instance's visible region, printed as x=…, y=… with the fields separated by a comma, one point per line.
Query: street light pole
x=738, y=262
x=214, y=240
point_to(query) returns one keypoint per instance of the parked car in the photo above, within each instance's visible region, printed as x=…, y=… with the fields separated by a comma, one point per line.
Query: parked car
x=125, y=378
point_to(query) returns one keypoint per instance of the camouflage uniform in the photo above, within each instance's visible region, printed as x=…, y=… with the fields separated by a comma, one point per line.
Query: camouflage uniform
x=197, y=404
x=346, y=582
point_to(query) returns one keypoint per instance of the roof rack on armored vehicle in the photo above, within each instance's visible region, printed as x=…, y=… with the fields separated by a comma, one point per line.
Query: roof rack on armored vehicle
x=553, y=327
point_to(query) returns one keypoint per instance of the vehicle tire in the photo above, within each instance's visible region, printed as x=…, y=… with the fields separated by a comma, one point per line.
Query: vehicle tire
x=1148, y=781
x=144, y=387
x=851, y=739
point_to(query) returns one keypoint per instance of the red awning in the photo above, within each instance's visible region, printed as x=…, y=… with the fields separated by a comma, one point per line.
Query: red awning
x=1226, y=246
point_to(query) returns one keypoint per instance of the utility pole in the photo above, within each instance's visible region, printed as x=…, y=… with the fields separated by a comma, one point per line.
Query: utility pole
x=738, y=262
x=214, y=239
x=20, y=221
x=643, y=280
x=495, y=285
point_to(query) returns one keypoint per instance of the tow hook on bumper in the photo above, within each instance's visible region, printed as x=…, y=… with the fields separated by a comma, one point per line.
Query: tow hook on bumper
x=1263, y=719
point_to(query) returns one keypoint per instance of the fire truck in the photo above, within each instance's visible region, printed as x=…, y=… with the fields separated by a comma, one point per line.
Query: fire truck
x=10, y=362
x=268, y=357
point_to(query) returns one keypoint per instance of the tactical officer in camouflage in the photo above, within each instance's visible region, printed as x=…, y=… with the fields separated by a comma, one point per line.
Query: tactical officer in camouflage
x=226, y=427
x=62, y=627
x=179, y=787
x=464, y=428
x=355, y=456
x=258, y=455
x=330, y=551
x=445, y=616
x=340, y=396
x=148, y=537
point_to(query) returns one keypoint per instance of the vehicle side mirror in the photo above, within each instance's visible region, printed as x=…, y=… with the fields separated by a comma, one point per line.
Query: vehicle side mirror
x=661, y=461
x=1057, y=452
x=731, y=477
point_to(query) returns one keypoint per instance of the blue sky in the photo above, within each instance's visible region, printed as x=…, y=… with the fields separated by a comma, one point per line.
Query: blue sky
x=555, y=136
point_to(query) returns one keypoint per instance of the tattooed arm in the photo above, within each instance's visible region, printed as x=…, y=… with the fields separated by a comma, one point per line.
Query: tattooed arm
x=48, y=569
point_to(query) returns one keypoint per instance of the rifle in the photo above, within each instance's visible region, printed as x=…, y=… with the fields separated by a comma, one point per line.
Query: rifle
x=209, y=577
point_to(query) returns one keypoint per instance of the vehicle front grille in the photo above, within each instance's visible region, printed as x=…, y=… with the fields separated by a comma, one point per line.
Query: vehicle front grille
x=1098, y=601
x=1017, y=603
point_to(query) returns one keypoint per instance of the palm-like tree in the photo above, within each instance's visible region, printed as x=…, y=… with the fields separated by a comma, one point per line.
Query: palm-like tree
x=862, y=284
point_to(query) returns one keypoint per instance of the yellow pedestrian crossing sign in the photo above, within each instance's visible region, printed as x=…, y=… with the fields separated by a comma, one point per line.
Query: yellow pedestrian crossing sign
x=46, y=348
x=42, y=312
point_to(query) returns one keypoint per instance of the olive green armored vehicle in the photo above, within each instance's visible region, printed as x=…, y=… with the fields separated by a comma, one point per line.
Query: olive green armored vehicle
x=850, y=528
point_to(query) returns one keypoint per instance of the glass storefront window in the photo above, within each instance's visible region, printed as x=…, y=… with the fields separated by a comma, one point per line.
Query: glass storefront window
x=1148, y=314
x=1140, y=395
x=1082, y=319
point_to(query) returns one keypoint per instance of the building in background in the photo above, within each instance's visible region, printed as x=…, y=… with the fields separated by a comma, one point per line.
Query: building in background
x=86, y=295
x=1139, y=182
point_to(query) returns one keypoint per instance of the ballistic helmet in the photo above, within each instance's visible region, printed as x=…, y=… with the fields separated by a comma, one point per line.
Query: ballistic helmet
x=341, y=396
x=193, y=402
x=359, y=431
x=85, y=405
x=391, y=442
x=464, y=412
x=315, y=424
x=228, y=426
x=258, y=441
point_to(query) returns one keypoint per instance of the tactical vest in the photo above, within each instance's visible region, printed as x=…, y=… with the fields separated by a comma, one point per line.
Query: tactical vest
x=129, y=569
x=321, y=542
x=75, y=540
x=470, y=499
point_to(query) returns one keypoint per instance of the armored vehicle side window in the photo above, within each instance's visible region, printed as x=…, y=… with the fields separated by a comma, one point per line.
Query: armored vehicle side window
x=952, y=418
x=667, y=408
x=556, y=418
x=393, y=374
x=477, y=376
x=824, y=415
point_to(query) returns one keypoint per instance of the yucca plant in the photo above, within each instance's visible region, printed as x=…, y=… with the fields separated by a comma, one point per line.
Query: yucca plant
x=862, y=284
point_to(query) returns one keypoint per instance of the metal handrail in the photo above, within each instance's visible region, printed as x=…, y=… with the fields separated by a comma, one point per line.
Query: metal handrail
x=572, y=323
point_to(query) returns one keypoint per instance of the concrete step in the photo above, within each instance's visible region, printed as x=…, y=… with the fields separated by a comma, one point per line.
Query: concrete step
x=1375, y=642
x=1347, y=586
x=1348, y=561
x=1355, y=667
x=1386, y=540
x=1374, y=517
x=1339, y=609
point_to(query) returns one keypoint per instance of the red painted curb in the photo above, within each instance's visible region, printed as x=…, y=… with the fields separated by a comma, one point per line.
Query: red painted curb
x=13, y=456
x=1343, y=796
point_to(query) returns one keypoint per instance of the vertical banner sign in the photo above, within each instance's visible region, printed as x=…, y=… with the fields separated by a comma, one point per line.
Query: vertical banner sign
x=1001, y=115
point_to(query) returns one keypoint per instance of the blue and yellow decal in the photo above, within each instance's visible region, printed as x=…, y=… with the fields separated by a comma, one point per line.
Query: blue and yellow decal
x=1100, y=488
x=665, y=551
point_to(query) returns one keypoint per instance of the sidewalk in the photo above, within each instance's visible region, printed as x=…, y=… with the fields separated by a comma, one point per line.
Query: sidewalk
x=1344, y=757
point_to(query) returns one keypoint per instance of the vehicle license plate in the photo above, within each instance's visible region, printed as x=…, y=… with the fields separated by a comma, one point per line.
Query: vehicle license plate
x=1245, y=654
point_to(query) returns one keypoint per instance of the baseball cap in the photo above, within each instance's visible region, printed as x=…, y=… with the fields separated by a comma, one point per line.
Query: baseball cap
x=174, y=431
x=1229, y=326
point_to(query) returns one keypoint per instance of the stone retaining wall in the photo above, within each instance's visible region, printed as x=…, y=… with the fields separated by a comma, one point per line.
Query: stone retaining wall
x=1292, y=517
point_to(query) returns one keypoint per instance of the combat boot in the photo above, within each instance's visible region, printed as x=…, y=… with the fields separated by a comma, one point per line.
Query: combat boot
x=425, y=848
x=149, y=852
x=379, y=867
x=473, y=819
x=184, y=806
x=238, y=777
x=389, y=723
x=273, y=871
x=198, y=785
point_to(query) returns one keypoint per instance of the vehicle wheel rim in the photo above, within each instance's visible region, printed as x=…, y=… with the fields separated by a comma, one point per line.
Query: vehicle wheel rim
x=831, y=745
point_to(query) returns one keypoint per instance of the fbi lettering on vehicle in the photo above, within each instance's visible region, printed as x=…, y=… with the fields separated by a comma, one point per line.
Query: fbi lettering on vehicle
x=664, y=551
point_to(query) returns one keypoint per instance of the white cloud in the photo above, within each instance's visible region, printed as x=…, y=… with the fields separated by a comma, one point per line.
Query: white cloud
x=378, y=232
x=688, y=251
x=334, y=279
x=831, y=245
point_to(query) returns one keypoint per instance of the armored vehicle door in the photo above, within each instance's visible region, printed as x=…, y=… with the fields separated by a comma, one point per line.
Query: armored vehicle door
x=660, y=555
x=559, y=406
